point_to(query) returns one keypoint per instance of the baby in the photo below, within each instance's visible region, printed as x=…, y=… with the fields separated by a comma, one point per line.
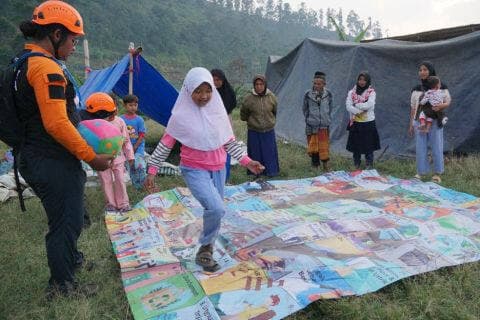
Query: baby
x=431, y=98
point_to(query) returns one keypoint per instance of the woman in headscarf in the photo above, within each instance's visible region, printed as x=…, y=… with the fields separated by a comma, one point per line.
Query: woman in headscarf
x=434, y=137
x=225, y=89
x=259, y=109
x=229, y=99
x=362, y=136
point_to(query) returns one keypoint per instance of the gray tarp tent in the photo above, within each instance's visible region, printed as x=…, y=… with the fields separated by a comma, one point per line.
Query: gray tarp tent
x=393, y=66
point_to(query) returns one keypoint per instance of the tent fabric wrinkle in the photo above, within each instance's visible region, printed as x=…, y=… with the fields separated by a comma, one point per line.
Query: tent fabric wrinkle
x=393, y=66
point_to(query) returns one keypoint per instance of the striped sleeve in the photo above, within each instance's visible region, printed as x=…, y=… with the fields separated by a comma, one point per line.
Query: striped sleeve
x=234, y=149
x=161, y=153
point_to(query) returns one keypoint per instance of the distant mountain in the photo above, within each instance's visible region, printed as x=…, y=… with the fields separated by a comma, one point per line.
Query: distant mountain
x=175, y=35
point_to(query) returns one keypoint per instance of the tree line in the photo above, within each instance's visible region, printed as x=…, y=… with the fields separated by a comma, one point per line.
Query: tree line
x=282, y=11
x=235, y=35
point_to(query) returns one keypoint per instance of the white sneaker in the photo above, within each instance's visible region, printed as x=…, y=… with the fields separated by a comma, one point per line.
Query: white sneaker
x=444, y=120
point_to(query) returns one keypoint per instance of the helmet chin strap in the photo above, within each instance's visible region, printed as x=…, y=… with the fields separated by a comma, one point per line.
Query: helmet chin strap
x=56, y=44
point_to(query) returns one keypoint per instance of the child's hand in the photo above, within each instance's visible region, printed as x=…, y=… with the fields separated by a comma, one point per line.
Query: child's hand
x=255, y=166
x=150, y=184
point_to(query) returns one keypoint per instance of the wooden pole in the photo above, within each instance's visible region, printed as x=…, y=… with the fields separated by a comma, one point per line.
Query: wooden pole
x=86, y=55
x=131, y=49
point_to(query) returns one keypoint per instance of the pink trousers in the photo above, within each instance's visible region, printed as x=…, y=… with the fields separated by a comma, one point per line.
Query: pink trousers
x=114, y=187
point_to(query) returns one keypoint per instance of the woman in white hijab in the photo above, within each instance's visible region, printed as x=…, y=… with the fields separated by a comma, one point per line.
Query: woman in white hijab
x=200, y=123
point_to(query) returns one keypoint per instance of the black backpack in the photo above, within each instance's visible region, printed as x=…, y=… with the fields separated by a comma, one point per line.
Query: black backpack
x=11, y=129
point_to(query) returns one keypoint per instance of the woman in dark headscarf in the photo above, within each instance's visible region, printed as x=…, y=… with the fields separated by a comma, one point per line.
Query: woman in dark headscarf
x=434, y=137
x=363, y=136
x=225, y=89
x=259, y=109
x=229, y=99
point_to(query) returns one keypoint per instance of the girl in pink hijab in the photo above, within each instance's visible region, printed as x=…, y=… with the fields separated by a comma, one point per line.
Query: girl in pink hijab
x=200, y=123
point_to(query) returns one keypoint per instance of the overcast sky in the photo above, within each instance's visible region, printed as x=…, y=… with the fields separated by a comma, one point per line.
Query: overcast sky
x=400, y=17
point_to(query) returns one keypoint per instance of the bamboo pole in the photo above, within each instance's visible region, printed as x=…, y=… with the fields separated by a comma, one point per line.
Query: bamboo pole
x=86, y=55
x=131, y=49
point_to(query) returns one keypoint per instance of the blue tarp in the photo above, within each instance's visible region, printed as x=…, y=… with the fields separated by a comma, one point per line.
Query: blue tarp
x=156, y=95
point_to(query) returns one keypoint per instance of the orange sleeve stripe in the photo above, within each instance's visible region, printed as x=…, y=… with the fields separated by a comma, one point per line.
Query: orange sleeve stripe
x=53, y=111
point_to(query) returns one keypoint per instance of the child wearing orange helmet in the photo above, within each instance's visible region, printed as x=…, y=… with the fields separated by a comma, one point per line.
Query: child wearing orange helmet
x=100, y=105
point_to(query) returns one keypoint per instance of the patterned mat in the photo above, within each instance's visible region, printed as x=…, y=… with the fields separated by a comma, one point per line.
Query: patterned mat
x=285, y=244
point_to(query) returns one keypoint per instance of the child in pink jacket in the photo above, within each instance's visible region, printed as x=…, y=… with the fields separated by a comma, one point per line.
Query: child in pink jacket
x=101, y=106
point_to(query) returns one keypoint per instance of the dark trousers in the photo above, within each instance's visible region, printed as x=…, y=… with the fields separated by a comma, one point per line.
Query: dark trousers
x=316, y=159
x=227, y=167
x=368, y=159
x=86, y=217
x=60, y=186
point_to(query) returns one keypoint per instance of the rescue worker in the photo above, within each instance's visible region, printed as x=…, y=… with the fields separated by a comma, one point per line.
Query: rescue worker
x=49, y=159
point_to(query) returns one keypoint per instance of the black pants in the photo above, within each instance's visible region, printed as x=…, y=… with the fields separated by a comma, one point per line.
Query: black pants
x=368, y=159
x=60, y=186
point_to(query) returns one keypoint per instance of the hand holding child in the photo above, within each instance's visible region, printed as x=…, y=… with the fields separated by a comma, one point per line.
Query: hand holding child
x=255, y=167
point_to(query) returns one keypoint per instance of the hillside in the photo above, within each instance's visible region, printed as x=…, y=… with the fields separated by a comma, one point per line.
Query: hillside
x=175, y=35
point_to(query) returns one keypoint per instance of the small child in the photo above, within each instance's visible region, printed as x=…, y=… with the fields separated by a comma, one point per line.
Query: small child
x=200, y=123
x=317, y=107
x=136, y=130
x=101, y=106
x=431, y=98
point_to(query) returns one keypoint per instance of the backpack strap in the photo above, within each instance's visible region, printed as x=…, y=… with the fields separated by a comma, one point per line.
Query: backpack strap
x=18, y=61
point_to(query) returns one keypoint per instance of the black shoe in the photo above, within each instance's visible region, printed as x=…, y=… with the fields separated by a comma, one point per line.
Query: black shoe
x=70, y=289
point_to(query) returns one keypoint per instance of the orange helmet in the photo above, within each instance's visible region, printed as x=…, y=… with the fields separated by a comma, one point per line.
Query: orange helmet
x=55, y=11
x=100, y=101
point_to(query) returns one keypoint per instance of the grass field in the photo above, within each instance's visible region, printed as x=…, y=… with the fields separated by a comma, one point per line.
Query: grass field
x=449, y=293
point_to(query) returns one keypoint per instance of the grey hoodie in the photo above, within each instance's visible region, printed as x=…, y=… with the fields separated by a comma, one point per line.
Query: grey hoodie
x=317, y=110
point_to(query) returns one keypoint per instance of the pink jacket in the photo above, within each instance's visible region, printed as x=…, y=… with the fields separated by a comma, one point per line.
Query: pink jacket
x=127, y=149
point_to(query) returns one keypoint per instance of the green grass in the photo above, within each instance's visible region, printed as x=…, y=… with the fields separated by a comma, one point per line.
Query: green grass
x=449, y=293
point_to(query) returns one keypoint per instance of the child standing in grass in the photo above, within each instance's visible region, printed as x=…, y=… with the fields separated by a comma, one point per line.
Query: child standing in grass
x=101, y=106
x=200, y=123
x=136, y=130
